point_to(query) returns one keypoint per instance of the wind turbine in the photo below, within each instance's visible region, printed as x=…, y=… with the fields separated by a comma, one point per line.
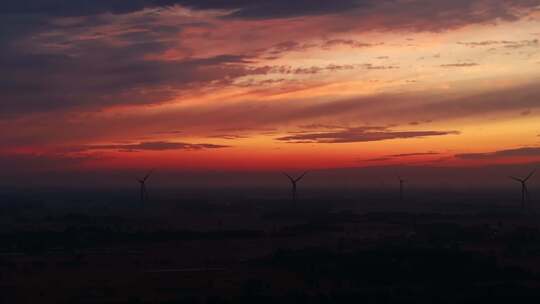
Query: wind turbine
x=294, y=181
x=524, y=190
x=142, y=182
x=401, y=182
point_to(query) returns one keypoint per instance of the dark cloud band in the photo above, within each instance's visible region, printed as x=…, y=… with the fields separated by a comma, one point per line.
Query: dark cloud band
x=519, y=152
x=359, y=135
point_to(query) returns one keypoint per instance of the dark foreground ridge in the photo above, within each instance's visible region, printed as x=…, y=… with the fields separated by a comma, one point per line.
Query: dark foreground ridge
x=268, y=251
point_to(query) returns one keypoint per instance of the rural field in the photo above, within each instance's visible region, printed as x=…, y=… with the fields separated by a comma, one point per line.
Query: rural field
x=245, y=251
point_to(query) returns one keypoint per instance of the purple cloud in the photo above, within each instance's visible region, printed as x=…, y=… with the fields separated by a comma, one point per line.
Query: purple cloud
x=360, y=134
x=153, y=146
x=519, y=152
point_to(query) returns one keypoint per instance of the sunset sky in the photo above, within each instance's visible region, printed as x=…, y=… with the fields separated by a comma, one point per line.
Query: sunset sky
x=247, y=85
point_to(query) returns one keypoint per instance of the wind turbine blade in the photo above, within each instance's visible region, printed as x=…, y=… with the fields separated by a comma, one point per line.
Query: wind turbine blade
x=148, y=175
x=287, y=175
x=515, y=178
x=301, y=176
x=530, y=174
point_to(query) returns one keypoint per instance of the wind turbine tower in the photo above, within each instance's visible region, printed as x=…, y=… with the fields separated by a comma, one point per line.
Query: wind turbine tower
x=294, y=182
x=524, y=191
x=142, y=182
x=401, y=183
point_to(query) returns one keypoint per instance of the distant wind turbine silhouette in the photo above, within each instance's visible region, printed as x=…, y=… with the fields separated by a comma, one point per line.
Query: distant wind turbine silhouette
x=142, y=182
x=401, y=182
x=294, y=181
x=524, y=190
